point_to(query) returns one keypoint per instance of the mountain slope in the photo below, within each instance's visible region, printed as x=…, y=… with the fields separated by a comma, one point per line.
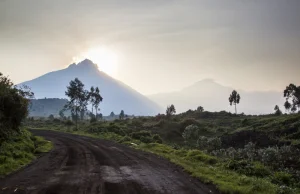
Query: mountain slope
x=117, y=96
x=214, y=97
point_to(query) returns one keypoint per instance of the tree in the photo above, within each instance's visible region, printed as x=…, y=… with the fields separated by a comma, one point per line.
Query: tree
x=99, y=116
x=78, y=98
x=170, y=110
x=234, y=99
x=51, y=117
x=112, y=114
x=92, y=97
x=97, y=99
x=277, y=110
x=200, y=109
x=122, y=115
x=292, y=95
x=61, y=114
x=14, y=103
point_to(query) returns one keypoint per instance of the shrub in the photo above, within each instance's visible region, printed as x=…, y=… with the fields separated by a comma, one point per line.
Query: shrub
x=93, y=120
x=187, y=122
x=157, y=138
x=116, y=129
x=69, y=123
x=125, y=139
x=248, y=168
x=139, y=134
x=146, y=139
x=282, y=178
x=190, y=132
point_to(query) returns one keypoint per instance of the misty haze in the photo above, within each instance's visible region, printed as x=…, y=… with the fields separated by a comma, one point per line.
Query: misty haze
x=149, y=97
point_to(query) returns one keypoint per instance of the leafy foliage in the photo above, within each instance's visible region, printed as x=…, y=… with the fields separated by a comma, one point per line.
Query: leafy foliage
x=14, y=103
x=292, y=93
x=170, y=110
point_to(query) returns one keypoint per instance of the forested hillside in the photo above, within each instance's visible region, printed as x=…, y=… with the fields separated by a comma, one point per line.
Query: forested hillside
x=47, y=106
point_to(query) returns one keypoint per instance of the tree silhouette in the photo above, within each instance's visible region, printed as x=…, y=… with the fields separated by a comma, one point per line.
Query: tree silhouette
x=122, y=115
x=277, y=110
x=78, y=98
x=92, y=97
x=200, y=109
x=170, y=110
x=234, y=99
x=51, y=117
x=61, y=114
x=112, y=114
x=292, y=95
x=97, y=99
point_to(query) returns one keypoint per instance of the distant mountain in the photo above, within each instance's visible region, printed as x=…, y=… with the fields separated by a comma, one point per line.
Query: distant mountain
x=117, y=96
x=214, y=97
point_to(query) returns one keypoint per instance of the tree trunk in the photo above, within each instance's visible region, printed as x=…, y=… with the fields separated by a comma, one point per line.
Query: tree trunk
x=235, y=109
x=96, y=112
x=76, y=120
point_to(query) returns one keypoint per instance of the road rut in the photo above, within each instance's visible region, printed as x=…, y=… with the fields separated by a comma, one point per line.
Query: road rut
x=86, y=165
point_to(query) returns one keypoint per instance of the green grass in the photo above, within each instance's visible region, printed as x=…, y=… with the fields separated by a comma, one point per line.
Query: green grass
x=209, y=170
x=20, y=150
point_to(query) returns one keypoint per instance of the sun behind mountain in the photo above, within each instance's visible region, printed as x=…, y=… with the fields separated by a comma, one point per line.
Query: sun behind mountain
x=106, y=59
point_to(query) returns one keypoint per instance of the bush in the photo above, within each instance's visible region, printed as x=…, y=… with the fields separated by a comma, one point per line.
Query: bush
x=282, y=178
x=248, y=168
x=93, y=120
x=68, y=123
x=146, y=139
x=125, y=139
x=116, y=129
x=157, y=139
x=187, y=122
x=139, y=134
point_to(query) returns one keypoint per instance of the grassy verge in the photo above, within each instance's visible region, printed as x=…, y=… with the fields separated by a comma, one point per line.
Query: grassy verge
x=20, y=150
x=207, y=168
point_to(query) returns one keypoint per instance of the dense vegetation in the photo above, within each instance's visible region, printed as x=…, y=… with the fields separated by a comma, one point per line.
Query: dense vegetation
x=17, y=146
x=13, y=107
x=238, y=153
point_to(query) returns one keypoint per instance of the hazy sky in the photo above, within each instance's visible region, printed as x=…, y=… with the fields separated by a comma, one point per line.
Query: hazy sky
x=162, y=45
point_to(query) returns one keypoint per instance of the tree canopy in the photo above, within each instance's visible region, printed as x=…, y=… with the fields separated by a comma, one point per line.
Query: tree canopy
x=170, y=110
x=292, y=95
x=234, y=99
x=14, y=104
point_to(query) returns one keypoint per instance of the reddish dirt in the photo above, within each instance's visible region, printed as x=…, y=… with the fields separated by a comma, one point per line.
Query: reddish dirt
x=85, y=165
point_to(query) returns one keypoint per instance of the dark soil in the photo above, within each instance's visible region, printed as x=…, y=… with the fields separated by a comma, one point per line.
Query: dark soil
x=80, y=164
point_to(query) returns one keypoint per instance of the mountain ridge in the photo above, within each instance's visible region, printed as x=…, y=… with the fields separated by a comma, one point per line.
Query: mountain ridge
x=117, y=95
x=214, y=97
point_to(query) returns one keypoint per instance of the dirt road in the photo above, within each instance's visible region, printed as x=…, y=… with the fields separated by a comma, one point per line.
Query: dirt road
x=88, y=166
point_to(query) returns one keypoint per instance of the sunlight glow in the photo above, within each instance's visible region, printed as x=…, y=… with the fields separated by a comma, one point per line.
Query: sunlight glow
x=106, y=59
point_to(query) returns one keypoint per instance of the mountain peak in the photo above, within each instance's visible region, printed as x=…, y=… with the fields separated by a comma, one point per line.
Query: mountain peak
x=86, y=63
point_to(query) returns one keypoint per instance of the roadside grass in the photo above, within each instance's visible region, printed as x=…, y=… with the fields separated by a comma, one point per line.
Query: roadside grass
x=209, y=170
x=20, y=150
